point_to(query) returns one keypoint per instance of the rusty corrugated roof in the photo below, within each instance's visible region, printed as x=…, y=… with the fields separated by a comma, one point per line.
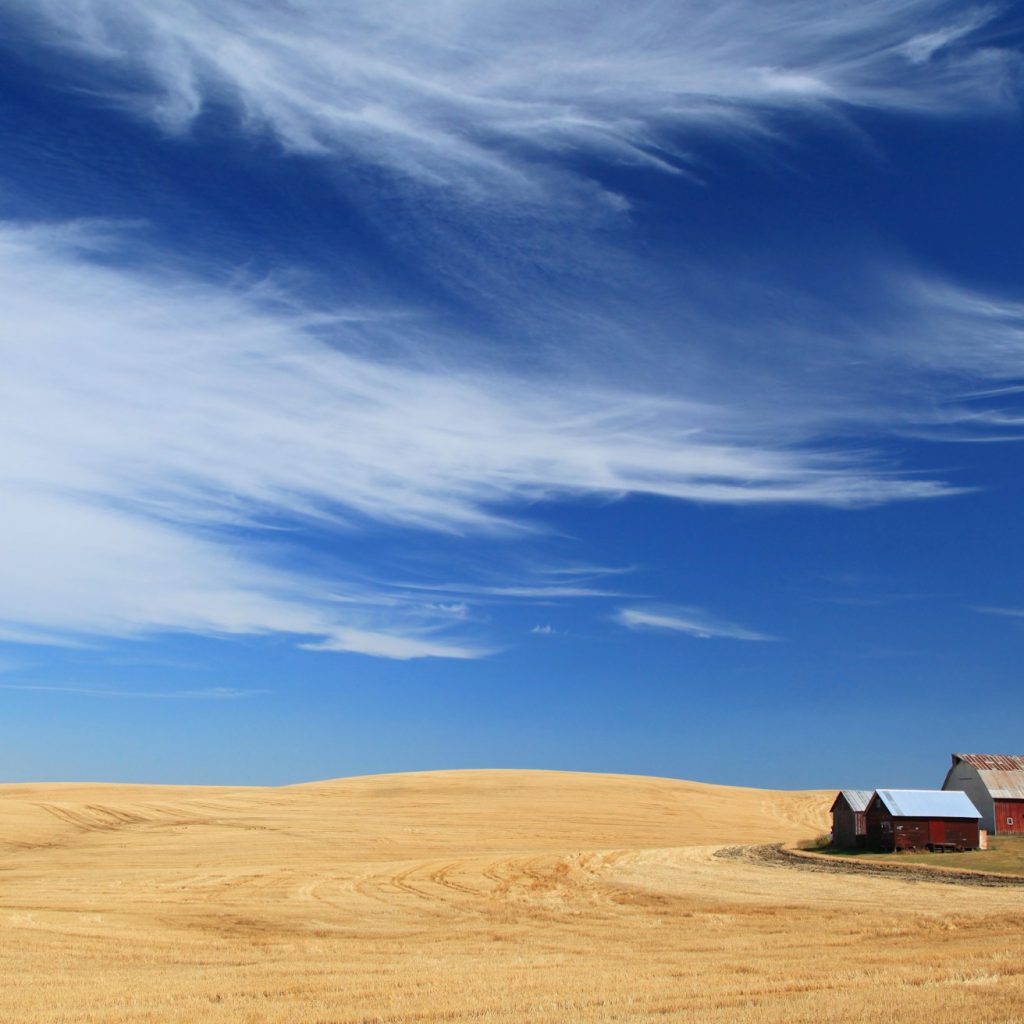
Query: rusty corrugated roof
x=993, y=762
x=1002, y=774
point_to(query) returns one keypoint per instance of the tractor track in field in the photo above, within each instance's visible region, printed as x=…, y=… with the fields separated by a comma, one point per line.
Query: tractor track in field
x=776, y=855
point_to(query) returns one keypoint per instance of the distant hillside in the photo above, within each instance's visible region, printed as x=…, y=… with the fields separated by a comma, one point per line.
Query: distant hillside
x=423, y=813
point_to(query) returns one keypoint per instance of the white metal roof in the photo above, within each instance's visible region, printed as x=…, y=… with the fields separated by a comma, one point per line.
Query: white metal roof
x=927, y=803
x=858, y=799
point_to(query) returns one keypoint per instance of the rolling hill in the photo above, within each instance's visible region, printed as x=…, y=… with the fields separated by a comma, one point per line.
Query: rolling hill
x=467, y=896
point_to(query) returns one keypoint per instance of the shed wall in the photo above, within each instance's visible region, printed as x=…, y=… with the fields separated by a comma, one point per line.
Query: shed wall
x=848, y=826
x=880, y=831
x=887, y=834
x=963, y=834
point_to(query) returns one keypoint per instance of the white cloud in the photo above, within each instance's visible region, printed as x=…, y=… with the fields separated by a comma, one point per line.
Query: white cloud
x=456, y=609
x=1010, y=613
x=387, y=645
x=545, y=630
x=541, y=592
x=156, y=431
x=691, y=621
x=467, y=95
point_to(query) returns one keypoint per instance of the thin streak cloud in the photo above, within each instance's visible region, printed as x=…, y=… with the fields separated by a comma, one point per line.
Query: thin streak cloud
x=1008, y=613
x=693, y=622
x=210, y=693
x=542, y=592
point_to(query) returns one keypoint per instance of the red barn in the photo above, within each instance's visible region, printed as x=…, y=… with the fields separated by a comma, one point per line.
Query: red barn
x=849, y=827
x=921, y=819
x=995, y=784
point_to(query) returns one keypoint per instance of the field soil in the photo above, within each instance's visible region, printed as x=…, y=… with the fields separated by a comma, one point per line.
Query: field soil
x=479, y=897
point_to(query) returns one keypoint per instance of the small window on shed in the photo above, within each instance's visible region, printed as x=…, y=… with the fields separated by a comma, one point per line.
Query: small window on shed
x=886, y=826
x=1009, y=821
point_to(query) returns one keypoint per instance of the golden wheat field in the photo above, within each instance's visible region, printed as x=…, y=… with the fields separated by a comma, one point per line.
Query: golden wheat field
x=472, y=896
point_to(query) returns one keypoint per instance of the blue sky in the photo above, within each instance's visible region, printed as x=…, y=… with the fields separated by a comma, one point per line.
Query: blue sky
x=510, y=385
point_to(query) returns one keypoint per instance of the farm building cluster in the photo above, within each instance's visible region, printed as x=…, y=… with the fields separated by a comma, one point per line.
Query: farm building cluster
x=982, y=795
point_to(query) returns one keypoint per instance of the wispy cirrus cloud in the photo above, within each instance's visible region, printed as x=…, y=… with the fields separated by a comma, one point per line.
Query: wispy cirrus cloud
x=155, y=428
x=489, y=107
x=693, y=622
x=159, y=432
x=470, y=95
x=166, y=438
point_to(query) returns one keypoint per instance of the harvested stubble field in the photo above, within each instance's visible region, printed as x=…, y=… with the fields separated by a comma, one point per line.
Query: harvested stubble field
x=472, y=896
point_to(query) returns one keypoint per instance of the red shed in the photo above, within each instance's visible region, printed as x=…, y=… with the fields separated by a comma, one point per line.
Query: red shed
x=849, y=827
x=921, y=819
x=995, y=784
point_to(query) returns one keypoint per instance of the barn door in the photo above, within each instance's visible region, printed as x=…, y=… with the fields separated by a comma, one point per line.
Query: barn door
x=936, y=831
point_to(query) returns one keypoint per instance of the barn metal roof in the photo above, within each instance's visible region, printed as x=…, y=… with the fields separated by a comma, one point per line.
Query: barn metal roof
x=927, y=803
x=1002, y=774
x=993, y=762
x=858, y=799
